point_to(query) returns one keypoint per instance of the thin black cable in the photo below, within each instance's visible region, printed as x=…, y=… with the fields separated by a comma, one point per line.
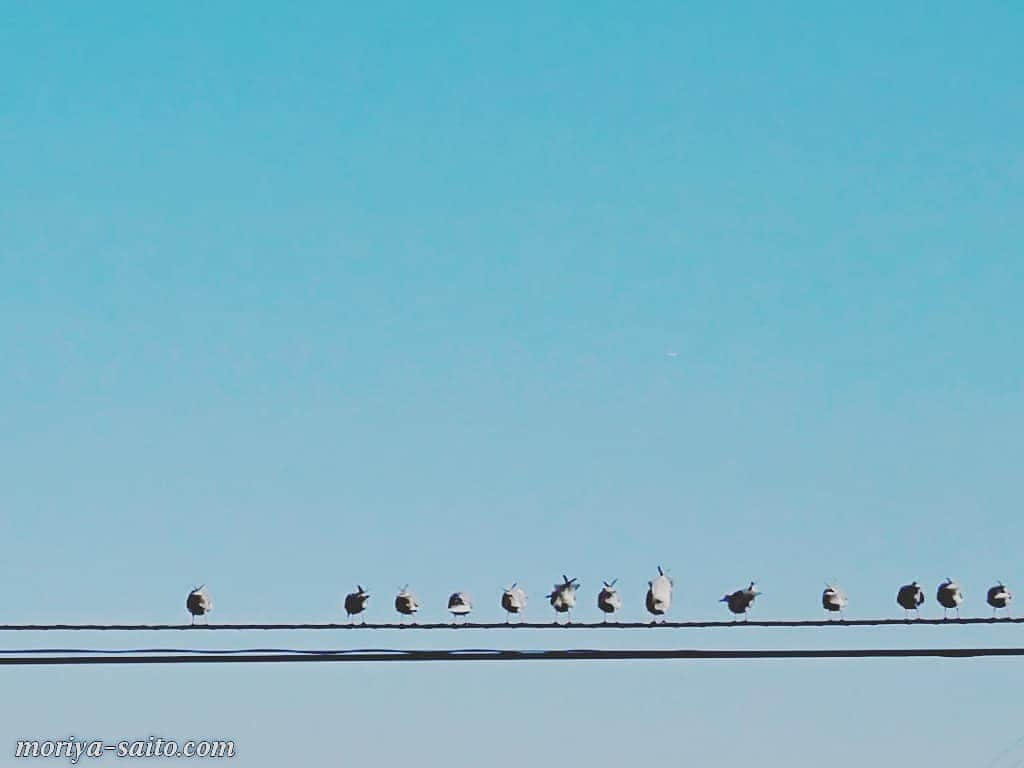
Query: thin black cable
x=503, y=655
x=514, y=625
x=215, y=651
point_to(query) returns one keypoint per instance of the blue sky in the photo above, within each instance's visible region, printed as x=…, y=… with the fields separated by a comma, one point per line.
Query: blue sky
x=293, y=301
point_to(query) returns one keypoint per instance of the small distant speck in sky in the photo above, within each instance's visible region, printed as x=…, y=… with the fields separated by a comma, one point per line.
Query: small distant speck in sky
x=671, y=354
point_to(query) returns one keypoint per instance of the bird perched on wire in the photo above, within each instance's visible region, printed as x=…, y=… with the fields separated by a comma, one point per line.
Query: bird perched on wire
x=513, y=600
x=608, y=599
x=355, y=602
x=741, y=600
x=910, y=597
x=949, y=595
x=199, y=602
x=563, y=597
x=833, y=599
x=659, y=594
x=460, y=604
x=406, y=602
x=999, y=597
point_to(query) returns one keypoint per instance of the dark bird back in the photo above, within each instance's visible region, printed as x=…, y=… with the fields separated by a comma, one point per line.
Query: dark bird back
x=910, y=597
x=999, y=596
x=198, y=602
x=740, y=600
x=355, y=602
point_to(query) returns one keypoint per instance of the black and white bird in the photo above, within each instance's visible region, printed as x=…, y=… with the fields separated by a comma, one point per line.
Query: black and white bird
x=563, y=597
x=460, y=604
x=949, y=595
x=199, y=602
x=999, y=597
x=513, y=600
x=608, y=599
x=659, y=594
x=355, y=602
x=406, y=602
x=910, y=597
x=833, y=599
x=741, y=600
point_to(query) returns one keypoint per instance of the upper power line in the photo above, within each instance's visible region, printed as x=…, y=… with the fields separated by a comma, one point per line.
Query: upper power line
x=517, y=625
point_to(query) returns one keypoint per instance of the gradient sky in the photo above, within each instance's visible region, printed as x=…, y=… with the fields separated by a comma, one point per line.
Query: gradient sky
x=295, y=299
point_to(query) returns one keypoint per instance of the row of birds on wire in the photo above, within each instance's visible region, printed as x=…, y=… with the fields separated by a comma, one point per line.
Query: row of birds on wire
x=658, y=601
